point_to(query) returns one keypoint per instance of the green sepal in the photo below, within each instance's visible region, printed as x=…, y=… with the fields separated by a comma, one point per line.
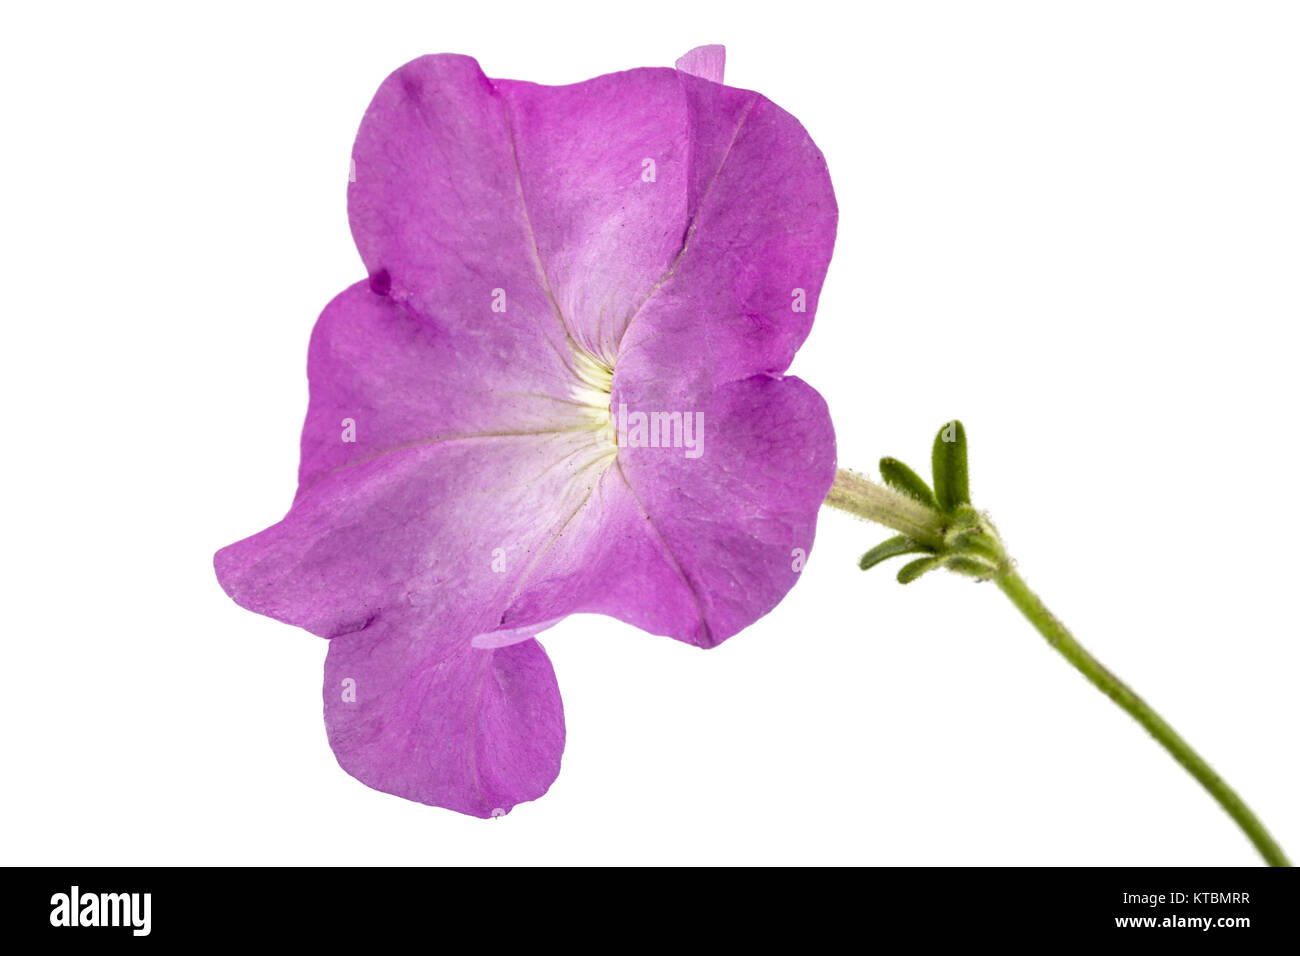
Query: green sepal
x=975, y=567
x=901, y=478
x=951, y=484
x=964, y=518
x=890, y=548
x=978, y=543
x=914, y=569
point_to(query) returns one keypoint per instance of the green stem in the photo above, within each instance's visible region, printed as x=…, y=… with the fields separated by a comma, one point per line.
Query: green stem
x=864, y=498
x=1063, y=641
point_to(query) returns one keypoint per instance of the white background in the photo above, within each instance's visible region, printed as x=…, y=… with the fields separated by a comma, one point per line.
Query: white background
x=1076, y=226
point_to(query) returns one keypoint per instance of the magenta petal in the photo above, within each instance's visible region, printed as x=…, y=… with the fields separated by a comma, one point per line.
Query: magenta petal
x=735, y=526
x=583, y=204
x=571, y=200
x=455, y=530
x=476, y=731
x=742, y=297
x=706, y=62
x=458, y=487
x=436, y=208
x=605, y=166
x=700, y=548
x=399, y=380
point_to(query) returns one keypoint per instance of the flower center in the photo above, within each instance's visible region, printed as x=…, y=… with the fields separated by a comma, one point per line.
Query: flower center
x=592, y=390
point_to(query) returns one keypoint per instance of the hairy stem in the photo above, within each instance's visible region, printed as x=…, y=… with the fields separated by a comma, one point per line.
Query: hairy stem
x=1063, y=641
x=927, y=526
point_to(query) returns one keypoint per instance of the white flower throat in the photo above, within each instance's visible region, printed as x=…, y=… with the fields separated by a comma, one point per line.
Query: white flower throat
x=594, y=389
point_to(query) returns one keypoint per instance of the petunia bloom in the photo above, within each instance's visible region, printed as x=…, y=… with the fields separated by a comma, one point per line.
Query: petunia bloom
x=559, y=390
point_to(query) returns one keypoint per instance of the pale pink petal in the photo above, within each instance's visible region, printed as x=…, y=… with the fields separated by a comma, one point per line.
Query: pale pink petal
x=706, y=62
x=472, y=730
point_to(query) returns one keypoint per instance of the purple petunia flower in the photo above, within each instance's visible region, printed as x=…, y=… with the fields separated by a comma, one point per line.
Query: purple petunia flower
x=560, y=390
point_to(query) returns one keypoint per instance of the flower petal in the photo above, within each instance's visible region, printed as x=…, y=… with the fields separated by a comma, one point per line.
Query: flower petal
x=476, y=731
x=454, y=529
x=587, y=203
x=398, y=379
x=706, y=62
x=605, y=166
x=739, y=521
x=436, y=208
x=700, y=548
x=742, y=296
